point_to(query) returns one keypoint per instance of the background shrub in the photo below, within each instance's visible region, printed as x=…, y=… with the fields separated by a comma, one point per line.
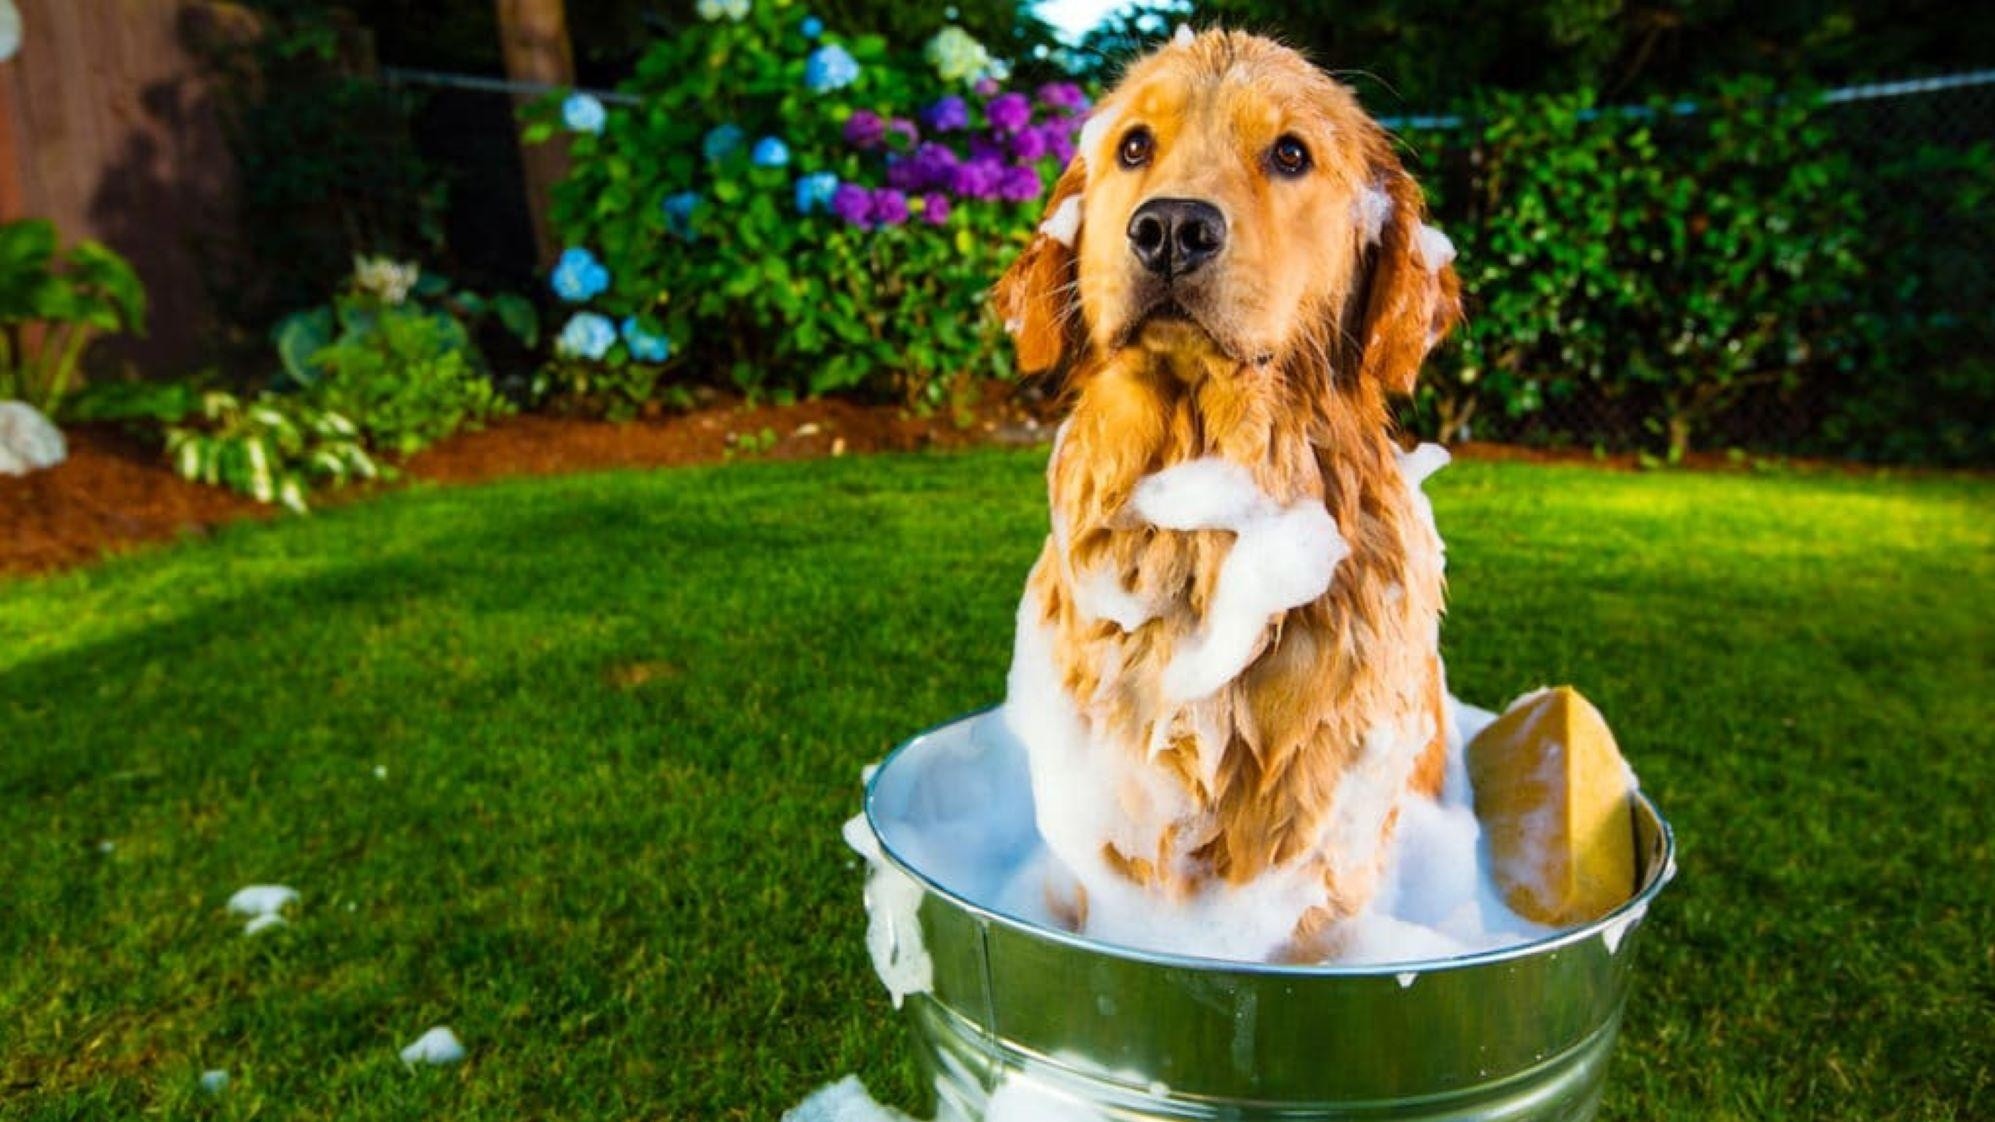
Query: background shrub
x=395, y=352
x=802, y=213
x=1653, y=267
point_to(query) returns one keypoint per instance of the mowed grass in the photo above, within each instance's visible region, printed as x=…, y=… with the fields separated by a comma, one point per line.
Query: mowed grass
x=622, y=716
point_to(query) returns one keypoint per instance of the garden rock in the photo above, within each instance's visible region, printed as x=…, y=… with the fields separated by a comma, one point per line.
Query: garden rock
x=28, y=442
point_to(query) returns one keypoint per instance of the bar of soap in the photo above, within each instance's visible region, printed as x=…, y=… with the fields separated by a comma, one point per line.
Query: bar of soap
x=1553, y=795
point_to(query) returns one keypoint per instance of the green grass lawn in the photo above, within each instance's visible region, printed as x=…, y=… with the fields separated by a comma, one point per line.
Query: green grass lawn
x=622, y=716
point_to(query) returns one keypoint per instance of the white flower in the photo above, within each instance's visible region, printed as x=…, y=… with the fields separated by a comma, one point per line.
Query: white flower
x=385, y=277
x=956, y=55
x=710, y=10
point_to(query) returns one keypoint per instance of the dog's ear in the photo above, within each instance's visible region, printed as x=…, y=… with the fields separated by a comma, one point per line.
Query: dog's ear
x=1038, y=297
x=1410, y=297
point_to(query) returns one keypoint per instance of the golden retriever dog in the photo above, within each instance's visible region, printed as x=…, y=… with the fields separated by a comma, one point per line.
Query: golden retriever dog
x=1226, y=672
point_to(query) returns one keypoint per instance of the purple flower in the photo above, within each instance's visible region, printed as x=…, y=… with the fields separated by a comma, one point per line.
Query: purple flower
x=853, y=203
x=1063, y=95
x=1029, y=144
x=935, y=208
x=865, y=129
x=903, y=174
x=889, y=207
x=904, y=128
x=976, y=179
x=1009, y=112
x=933, y=164
x=985, y=87
x=1059, y=136
x=1019, y=184
x=947, y=115
x=988, y=148
x=929, y=165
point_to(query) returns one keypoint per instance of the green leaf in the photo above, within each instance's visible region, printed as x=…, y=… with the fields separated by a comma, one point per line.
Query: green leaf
x=517, y=314
x=300, y=337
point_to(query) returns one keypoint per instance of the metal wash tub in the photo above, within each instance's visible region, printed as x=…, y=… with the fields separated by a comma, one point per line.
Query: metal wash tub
x=1517, y=1034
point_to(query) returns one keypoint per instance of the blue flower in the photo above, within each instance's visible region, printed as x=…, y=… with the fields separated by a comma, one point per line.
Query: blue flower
x=645, y=346
x=814, y=191
x=679, y=214
x=583, y=113
x=578, y=275
x=830, y=68
x=586, y=335
x=812, y=27
x=721, y=141
x=770, y=152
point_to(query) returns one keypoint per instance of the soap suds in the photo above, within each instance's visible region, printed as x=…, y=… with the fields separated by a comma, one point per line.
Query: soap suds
x=1436, y=251
x=1020, y=1099
x=1614, y=932
x=960, y=806
x=1065, y=224
x=1282, y=557
x=893, y=930
x=1099, y=594
x=1097, y=126
x=1374, y=210
x=1012, y=809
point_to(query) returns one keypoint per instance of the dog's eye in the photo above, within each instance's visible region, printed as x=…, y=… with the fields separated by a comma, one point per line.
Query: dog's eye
x=1137, y=144
x=1289, y=156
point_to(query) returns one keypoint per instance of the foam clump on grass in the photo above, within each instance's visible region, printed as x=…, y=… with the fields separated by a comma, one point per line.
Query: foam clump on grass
x=437, y=1046
x=1017, y=1099
x=843, y=1101
x=264, y=905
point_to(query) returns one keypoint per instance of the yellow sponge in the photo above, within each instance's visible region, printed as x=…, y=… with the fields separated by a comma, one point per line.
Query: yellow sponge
x=1553, y=794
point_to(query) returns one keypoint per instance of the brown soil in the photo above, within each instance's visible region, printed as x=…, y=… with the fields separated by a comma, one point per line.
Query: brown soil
x=114, y=492
x=544, y=445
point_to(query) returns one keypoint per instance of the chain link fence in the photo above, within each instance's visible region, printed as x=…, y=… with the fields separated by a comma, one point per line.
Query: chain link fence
x=1927, y=254
x=1919, y=385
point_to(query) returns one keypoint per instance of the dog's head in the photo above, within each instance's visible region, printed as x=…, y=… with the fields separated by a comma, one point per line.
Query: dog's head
x=1229, y=199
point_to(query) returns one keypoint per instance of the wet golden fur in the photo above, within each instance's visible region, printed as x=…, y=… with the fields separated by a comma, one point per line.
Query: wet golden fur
x=1297, y=334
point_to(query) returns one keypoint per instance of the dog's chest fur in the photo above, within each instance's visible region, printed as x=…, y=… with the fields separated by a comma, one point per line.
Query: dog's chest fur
x=1297, y=762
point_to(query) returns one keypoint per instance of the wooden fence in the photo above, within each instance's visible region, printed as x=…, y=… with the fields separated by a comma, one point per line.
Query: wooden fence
x=108, y=129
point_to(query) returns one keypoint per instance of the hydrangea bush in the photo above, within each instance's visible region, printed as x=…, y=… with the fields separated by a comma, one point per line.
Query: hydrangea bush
x=792, y=210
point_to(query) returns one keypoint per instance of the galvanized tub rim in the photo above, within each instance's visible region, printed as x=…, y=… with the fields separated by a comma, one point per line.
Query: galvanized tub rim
x=1629, y=912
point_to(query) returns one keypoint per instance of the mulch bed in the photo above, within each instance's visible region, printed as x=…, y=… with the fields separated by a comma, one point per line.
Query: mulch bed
x=116, y=492
x=113, y=492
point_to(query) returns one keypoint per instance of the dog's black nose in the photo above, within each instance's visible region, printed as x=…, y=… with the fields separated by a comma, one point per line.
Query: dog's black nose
x=1172, y=237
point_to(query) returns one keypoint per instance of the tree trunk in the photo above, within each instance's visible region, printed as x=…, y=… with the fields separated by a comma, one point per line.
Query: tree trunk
x=533, y=35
